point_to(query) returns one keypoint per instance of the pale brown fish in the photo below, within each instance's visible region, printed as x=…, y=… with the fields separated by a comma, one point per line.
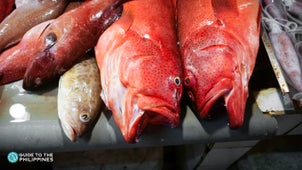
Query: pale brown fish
x=79, y=98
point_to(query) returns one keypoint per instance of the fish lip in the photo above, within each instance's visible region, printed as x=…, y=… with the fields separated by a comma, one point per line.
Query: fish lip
x=213, y=95
x=166, y=111
x=69, y=131
x=149, y=115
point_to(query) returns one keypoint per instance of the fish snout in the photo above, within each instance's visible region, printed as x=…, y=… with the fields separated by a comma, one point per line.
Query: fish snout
x=75, y=127
x=190, y=85
x=69, y=131
x=164, y=113
x=226, y=96
x=40, y=71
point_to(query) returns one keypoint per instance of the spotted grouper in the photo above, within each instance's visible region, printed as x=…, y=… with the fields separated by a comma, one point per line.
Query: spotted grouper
x=140, y=67
x=219, y=41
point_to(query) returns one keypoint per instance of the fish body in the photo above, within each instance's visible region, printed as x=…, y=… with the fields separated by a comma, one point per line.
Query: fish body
x=6, y=7
x=140, y=67
x=19, y=3
x=67, y=39
x=219, y=41
x=14, y=26
x=14, y=60
x=79, y=98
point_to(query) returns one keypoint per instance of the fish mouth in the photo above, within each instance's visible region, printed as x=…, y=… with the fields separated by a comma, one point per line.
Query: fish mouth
x=225, y=97
x=217, y=92
x=156, y=114
x=163, y=115
x=215, y=100
x=69, y=131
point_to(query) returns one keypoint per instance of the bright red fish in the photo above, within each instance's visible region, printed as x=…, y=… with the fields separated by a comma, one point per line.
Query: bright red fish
x=68, y=38
x=219, y=41
x=140, y=67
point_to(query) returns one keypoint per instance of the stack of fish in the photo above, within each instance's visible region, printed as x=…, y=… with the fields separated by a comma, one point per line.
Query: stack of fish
x=149, y=54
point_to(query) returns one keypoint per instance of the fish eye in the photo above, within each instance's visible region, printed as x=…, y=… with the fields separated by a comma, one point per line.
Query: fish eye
x=187, y=81
x=84, y=117
x=50, y=39
x=177, y=81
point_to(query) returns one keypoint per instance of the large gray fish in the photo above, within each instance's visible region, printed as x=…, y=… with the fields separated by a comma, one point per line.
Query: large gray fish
x=79, y=98
x=14, y=26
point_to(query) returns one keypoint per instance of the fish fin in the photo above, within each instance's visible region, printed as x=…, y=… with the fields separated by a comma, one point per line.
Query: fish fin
x=235, y=103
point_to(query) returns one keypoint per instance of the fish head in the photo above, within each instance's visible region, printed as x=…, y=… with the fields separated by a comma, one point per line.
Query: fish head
x=75, y=114
x=141, y=88
x=12, y=68
x=141, y=76
x=147, y=96
x=161, y=100
x=75, y=123
x=148, y=104
x=156, y=88
x=45, y=65
x=216, y=79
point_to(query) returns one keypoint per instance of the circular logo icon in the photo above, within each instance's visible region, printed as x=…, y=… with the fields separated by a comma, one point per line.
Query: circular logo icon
x=12, y=157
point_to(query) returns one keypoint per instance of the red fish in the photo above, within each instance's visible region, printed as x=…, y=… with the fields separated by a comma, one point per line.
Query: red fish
x=6, y=7
x=14, y=61
x=140, y=67
x=219, y=41
x=13, y=27
x=67, y=39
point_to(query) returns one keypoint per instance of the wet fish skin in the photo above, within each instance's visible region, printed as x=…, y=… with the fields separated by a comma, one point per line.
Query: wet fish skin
x=6, y=7
x=15, y=25
x=79, y=98
x=68, y=38
x=140, y=67
x=14, y=60
x=219, y=46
